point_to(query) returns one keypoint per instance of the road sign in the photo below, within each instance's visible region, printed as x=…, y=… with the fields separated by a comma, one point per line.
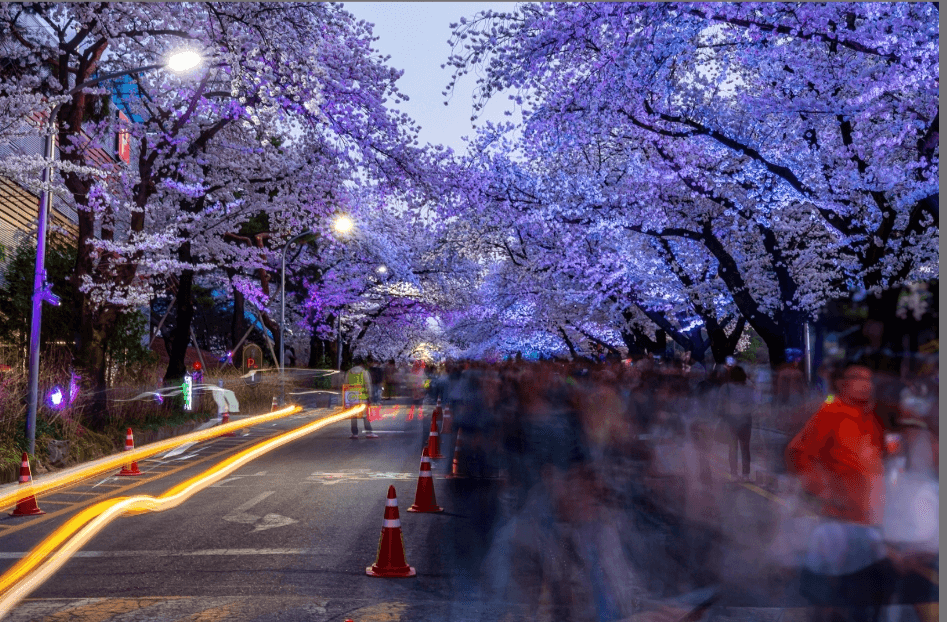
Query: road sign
x=252, y=361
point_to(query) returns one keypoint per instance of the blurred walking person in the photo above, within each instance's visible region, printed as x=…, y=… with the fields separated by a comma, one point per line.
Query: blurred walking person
x=737, y=407
x=839, y=459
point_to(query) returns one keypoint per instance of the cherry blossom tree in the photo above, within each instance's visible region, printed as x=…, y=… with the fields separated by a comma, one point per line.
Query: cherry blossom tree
x=794, y=143
x=291, y=103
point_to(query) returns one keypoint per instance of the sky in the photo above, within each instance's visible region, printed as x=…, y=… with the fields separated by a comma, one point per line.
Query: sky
x=415, y=35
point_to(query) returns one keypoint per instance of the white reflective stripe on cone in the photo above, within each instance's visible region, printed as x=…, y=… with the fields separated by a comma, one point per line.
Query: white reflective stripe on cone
x=426, y=459
x=391, y=524
x=434, y=434
x=392, y=503
x=425, y=474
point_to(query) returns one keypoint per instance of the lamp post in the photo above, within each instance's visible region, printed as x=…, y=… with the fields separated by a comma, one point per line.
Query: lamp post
x=282, y=316
x=180, y=62
x=343, y=224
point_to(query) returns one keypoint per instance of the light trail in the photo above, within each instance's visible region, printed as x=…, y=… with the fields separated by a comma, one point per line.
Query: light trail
x=32, y=571
x=120, y=459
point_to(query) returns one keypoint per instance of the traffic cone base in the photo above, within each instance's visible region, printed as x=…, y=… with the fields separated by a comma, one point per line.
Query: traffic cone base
x=26, y=506
x=424, y=499
x=390, y=574
x=390, y=561
x=129, y=469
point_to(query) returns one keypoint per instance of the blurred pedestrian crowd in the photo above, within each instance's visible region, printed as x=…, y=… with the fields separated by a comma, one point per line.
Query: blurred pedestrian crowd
x=615, y=479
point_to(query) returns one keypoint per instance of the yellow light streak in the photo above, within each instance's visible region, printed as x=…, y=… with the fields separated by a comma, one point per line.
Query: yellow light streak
x=139, y=453
x=32, y=571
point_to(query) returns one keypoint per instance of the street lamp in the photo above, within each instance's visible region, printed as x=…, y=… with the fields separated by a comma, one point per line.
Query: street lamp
x=343, y=224
x=282, y=316
x=178, y=62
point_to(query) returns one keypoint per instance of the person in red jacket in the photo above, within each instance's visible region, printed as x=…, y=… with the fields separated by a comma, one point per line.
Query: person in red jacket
x=839, y=459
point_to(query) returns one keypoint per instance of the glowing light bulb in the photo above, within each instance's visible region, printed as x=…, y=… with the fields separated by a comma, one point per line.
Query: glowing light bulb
x=184, y=61
x=344, y=224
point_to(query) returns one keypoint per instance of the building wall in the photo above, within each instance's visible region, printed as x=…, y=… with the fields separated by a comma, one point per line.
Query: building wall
x=18, y=212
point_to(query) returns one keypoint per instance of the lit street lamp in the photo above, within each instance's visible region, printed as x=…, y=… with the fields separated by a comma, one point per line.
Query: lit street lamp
x=343, y=224
x=180, y=62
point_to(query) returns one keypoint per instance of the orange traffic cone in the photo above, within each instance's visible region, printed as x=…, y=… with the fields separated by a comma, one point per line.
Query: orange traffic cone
x=448, y=417
x=424, y=500
x=457, y=471
x=275, y=404
x=390, y=561
x=27, y=505
x=438, y=414
x=433, y=442
x=225, y=420
x=129, y=469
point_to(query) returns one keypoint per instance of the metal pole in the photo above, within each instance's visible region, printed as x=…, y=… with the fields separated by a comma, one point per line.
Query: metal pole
x=282, y=321
x=282, y=316
x=339, y=342
x=807, y=343
x=40, y=288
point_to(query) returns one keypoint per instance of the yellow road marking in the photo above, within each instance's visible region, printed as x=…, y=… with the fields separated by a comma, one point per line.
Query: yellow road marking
x=100, y=611
x=77, y=492
x=751, y=486
x=216, y=614
x=382, y=612
x=45, y=501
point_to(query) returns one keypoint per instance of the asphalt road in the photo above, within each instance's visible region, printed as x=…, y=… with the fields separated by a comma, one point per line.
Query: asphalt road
x=289, y=537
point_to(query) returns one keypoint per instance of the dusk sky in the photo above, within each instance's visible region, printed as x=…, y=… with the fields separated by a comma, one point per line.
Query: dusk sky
x=415, y=34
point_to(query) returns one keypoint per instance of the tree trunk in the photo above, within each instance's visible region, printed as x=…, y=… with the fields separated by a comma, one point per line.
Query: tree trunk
x=92, y=365
x=661, y=342
x=723, y=345
x=181, y=334
x=317, y=351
